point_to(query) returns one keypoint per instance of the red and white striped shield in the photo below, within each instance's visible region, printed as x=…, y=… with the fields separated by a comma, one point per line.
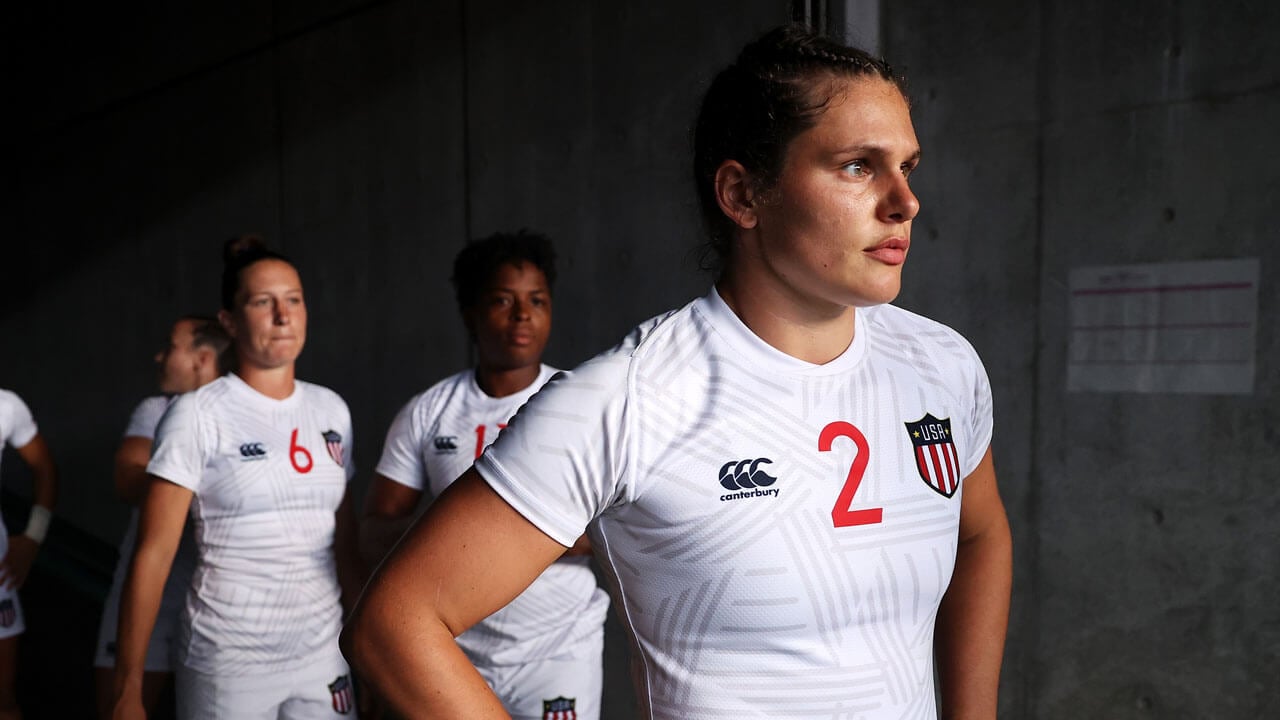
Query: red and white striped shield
x=343, y=699
x=333, y=443
x=936, y=456
x=561, y=708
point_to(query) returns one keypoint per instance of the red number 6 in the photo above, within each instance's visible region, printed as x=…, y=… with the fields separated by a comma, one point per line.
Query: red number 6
x=295, y=450
x=841, y=515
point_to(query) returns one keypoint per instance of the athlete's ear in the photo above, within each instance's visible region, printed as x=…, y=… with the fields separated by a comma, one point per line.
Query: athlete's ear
x=204, y=361
x=227, y=322
x=736, y=193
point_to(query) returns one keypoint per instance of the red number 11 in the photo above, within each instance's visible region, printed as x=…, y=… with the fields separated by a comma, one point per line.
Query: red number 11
x=841, y=515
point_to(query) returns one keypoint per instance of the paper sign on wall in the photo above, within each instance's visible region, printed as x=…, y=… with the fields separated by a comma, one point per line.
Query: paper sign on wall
x=1187, y=327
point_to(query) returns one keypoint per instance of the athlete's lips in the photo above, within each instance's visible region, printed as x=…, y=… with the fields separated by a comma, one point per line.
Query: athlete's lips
x=890, y=252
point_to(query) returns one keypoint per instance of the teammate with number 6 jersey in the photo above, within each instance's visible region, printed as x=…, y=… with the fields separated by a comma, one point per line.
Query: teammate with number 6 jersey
x=545, y=647
x=788, y=480
x=260, y=461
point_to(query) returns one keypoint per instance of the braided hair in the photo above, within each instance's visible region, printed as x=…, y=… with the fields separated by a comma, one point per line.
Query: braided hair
x=777, y=88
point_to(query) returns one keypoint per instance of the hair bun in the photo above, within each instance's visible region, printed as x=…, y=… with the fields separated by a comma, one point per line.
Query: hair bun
x=242, y=246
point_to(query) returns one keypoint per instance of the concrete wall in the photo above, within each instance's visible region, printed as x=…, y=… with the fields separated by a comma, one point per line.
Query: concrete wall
x=1061, y=135
x=369, y=139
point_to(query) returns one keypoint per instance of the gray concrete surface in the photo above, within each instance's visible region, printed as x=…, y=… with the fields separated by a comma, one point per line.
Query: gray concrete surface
x=369, y=139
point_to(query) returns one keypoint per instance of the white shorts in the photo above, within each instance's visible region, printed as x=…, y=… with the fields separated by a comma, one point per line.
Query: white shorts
x=321, y=688
x=566, y=688
x=12, y=623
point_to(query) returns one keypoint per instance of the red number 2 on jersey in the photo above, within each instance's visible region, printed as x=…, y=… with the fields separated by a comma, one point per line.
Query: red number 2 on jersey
x=841, y=514
x=295, y=450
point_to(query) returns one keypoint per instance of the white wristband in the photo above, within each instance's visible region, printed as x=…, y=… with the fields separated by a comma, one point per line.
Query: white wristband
x=38, y=523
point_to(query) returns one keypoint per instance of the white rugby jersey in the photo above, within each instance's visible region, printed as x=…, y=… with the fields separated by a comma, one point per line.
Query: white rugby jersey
x=17, y=428
x=268, y=476
x=780, y=533
x=433, y=440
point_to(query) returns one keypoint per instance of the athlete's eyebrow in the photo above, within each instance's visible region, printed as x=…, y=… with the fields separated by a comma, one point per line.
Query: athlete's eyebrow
x=872, y=149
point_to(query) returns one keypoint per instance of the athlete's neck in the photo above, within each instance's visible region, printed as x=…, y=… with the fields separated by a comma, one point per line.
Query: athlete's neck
x=276, y=383
x=814, y=332
x=501, y=382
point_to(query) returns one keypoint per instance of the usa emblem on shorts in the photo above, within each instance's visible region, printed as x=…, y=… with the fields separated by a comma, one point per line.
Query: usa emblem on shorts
x=8, y=615
x=333, y=443
x=561, y=708
x=936, y=456
x=343, y=700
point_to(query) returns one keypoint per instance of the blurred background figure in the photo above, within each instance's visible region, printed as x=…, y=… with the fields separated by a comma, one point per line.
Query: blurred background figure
x=546, y=645
x=18, y=429
x=193, y=356
x=262, y=462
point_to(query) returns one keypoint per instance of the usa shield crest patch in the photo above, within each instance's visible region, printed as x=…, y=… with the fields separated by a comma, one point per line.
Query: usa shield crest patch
x=561, y=708
x=936, y=456
x=343, y=699
x=333, y=443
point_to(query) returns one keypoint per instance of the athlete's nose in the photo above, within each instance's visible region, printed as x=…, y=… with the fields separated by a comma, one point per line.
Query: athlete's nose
x=900, y=204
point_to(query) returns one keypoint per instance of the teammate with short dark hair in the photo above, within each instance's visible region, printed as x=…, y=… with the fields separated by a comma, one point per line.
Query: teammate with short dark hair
x=788, y=480
x=192, y=357
x=545, y=647
x=261, y=461
x=18, y=552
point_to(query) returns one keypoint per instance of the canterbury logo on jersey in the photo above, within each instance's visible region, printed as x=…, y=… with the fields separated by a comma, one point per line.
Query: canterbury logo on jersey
x=935, y=451
x=748, y=477
x=253, y=451
x=446, y=444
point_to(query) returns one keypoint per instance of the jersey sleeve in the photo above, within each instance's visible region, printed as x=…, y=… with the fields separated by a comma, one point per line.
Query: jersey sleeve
x=349, y=447
x=563, y=459
x=179, y=452
x=401, y=459
x=16, y=420
x=980, y=416
x=145, y=417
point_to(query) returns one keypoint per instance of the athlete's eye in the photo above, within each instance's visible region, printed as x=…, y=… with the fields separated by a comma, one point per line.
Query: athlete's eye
x=858, y=168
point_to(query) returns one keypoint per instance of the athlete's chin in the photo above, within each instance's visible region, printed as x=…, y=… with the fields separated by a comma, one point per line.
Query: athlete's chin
x=879, y=293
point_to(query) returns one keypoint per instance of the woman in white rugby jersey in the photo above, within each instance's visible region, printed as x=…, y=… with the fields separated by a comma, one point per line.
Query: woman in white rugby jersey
x=260, y=461
x=788, y=480
x=18, y=552
x=545, y=648
x=192, y=357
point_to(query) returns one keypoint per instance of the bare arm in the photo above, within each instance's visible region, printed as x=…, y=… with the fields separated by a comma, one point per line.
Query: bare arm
x=16, y=564
x=468, y=556
x=131, y=469
x=388, y=512
x=974, y=615
x=351, y=570
x=44, y=474
x=164, y=513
